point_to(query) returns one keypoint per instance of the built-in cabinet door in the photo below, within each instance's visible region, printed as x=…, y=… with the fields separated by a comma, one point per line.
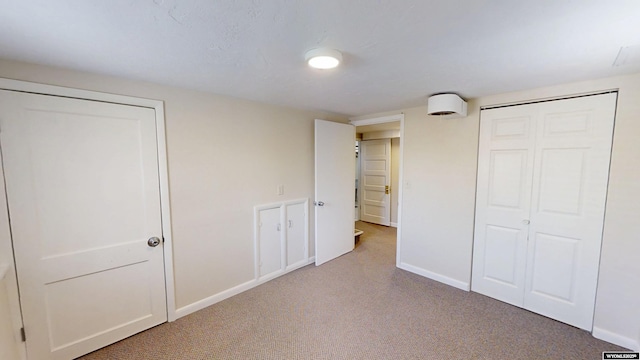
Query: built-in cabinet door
x=270, y=243
x=296, y=229
x=281, y=235
x=540, y=205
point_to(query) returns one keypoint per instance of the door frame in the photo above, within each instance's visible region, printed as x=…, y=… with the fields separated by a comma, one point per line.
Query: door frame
x=158, y=106
x=381, y=120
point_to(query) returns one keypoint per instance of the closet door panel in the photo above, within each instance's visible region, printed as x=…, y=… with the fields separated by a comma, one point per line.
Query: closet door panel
x=570, y=180
x=503, y=202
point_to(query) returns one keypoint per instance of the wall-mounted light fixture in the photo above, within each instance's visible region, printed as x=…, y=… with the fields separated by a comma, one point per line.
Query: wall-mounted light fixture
x=446, y=104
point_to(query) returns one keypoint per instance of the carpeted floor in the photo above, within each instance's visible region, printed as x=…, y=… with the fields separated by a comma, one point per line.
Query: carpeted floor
x=359, y=306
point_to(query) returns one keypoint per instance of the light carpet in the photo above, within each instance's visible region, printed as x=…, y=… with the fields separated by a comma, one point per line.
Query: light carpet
x=359, y=306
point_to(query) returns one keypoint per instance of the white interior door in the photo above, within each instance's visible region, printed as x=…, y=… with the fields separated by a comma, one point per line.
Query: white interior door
x=83, y=196
x=505, y=168
x=375, y=178
x=334, y=180
x=571, y=173
x=542, y=183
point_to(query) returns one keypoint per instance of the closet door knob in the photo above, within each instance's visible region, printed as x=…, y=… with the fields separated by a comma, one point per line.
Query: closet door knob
x=526, y=221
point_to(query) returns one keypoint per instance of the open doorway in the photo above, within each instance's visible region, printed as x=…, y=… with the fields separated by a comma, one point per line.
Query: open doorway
x=377, y=173
x=379, y=197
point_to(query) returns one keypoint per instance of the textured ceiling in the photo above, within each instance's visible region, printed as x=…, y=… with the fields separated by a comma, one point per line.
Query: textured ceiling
x=396, y=53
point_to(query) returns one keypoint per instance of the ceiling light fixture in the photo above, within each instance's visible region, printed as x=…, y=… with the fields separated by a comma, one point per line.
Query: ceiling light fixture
x=323, y=58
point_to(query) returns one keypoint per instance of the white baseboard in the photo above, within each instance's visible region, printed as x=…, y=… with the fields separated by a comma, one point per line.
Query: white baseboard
x=201, y=304
x=437, y=277
x=298, y=265
x=616, y=339
x=206, y=302
x=395, y=225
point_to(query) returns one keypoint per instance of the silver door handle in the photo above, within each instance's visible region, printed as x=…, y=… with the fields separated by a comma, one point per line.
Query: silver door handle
x=318, y=203
x=526, y=222
x=153, y=241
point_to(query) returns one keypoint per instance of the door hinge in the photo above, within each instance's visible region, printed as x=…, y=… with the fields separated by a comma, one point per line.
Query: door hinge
x=23, y=335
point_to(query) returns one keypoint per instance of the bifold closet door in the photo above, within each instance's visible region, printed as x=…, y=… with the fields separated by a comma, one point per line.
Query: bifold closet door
x=559, y=192
x=571, y=172
x=505, y=174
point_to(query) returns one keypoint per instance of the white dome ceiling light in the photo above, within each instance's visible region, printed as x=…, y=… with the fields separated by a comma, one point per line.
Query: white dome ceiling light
x=323, y=58
x=446, y=104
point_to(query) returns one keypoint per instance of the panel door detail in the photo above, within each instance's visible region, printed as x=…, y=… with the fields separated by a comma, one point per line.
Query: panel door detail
x=375, y=176
x=83, y=195
x=503, y=202
x=281, y=234
x=270, y=240
x=571, y=172
x=296, y=228
x=542, y=182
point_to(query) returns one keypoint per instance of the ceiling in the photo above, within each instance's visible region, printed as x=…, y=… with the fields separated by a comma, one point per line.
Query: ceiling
x=396, y=52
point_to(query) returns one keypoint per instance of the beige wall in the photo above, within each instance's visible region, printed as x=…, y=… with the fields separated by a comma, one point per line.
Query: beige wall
x=225, y=156
x=438, y=196
x=439, y=192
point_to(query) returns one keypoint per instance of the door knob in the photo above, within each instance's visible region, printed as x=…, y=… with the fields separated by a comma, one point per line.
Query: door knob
x=526, y=221
x=386, y=189
x=318, y=203
x=153, y=241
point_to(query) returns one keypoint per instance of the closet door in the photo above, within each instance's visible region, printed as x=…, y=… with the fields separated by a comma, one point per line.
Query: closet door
x=542, y=181
x=505, y=170
x=571, y=172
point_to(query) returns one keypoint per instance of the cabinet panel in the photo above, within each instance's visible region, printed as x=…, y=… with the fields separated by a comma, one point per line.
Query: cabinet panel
x=296, y=235
x=270, y=242
x=281, y=236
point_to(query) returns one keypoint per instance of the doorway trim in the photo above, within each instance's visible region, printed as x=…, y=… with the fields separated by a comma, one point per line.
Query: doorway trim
x=382, y=120
x=163, y=175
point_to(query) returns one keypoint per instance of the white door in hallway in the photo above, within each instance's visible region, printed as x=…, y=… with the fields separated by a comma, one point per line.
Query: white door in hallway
x=375, y=178
x=83, y=196
x=334, y=181
x=542, y=184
